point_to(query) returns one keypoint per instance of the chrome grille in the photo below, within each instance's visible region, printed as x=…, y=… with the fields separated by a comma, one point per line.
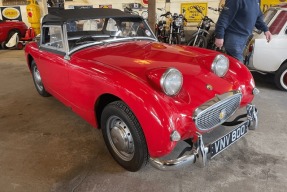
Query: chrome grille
x=217, y=110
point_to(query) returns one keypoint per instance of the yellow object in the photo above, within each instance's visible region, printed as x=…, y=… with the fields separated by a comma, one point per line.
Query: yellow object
x=265, y=4
x=33, y=14
x=190, y=12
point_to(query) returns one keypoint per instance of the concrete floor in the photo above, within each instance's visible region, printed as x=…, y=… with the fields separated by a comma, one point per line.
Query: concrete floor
x=46, y=147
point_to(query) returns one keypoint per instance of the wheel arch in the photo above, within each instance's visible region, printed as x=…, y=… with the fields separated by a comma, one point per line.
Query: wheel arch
x=157, y=125
x=285, y=61
x=101, y=103
x=11, y=31
x=29, y=61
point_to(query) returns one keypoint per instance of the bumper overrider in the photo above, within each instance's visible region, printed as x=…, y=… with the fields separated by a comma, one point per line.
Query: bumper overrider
x=222, y=107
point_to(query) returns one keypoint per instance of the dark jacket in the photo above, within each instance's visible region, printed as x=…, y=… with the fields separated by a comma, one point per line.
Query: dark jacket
x=240, y=17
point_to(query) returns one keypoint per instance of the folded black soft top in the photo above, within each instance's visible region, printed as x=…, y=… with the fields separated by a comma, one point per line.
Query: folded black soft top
x=66, y=15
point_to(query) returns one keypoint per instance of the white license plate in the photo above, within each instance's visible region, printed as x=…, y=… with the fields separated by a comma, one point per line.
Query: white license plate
x=224, y=142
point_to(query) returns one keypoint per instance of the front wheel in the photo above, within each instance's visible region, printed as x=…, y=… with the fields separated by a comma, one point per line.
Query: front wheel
x=123, y=136
x=200, y=41
x=281, y=77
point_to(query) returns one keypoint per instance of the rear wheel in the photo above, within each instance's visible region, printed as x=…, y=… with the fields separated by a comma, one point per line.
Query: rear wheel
x=281, y=77
x=123, y=136
x=38, y=80
x=201, y=41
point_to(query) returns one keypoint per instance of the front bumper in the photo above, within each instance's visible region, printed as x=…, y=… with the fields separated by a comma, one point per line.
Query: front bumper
x=205, y=151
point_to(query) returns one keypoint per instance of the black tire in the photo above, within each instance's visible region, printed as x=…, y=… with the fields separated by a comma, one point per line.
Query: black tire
x=281, y=77
x=176, y=39
x=38, y=80
x=161, y=36
x=210, y=42
x=123, y=136
x=3, y=45
x=201, y=41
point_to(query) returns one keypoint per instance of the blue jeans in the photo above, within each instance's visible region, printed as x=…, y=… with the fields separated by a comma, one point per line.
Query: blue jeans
x=234, y=45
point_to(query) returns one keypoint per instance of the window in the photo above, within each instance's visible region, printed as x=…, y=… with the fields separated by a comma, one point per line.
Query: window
x=93, y=25
x=112, y=25
x=278, y=23
x=268, y=15
x=52, y=37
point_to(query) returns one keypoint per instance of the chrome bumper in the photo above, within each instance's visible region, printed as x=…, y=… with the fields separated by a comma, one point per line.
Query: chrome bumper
x=199, y=148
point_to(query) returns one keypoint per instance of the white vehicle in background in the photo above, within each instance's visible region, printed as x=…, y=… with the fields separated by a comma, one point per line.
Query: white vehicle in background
x=270, y=57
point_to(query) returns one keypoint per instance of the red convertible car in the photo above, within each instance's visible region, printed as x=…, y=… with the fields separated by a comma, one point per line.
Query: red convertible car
x=145, y=96
x=9, y=28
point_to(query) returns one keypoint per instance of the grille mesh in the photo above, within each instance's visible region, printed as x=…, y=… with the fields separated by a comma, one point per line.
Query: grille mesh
x=218, y=113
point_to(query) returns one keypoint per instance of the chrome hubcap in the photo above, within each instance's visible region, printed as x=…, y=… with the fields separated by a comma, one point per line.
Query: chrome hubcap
x=37, y=78
x=120, y=138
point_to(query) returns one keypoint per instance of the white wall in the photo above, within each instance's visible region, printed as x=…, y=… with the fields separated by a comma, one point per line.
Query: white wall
x=174, y=6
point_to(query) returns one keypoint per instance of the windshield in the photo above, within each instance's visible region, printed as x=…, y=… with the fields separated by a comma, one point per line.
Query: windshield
x=82, y=32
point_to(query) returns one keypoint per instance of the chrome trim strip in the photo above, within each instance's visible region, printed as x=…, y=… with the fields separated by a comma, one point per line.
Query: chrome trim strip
x=215, y=100
x=109, y=41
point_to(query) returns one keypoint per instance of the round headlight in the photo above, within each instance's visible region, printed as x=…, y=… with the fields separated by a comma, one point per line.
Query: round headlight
x=220, y=65
x=178, y=21
x=171, y=81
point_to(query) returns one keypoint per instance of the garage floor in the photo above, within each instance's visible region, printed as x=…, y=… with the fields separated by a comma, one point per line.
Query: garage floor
x=44, y=146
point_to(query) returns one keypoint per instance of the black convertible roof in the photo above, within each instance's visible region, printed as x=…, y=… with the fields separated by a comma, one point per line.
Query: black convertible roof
x=63, y=15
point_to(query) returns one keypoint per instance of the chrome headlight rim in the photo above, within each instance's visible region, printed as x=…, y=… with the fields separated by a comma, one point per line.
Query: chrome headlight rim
x=178, y=21
x=215, y=65
x=164, y=78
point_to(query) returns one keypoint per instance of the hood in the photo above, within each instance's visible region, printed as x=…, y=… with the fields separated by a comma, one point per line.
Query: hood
x=138, y=58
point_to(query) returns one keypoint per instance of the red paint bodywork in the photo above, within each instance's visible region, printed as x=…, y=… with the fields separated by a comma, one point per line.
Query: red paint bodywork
x=8, y=26
x=130, y=71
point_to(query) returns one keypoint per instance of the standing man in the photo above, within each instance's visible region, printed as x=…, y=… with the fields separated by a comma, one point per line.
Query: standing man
x=235, y=25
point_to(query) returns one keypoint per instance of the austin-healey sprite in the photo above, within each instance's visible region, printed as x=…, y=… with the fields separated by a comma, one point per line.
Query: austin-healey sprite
x=144, y=95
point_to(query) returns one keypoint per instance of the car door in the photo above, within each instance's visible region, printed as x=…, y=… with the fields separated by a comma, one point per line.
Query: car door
x=51, y=62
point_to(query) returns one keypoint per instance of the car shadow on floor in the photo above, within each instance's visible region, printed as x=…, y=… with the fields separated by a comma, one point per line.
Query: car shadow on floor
x=264, y=80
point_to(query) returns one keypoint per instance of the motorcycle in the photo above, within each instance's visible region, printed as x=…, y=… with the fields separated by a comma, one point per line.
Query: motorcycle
x=170, y=28
x=200, y=37
x=161, y=28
